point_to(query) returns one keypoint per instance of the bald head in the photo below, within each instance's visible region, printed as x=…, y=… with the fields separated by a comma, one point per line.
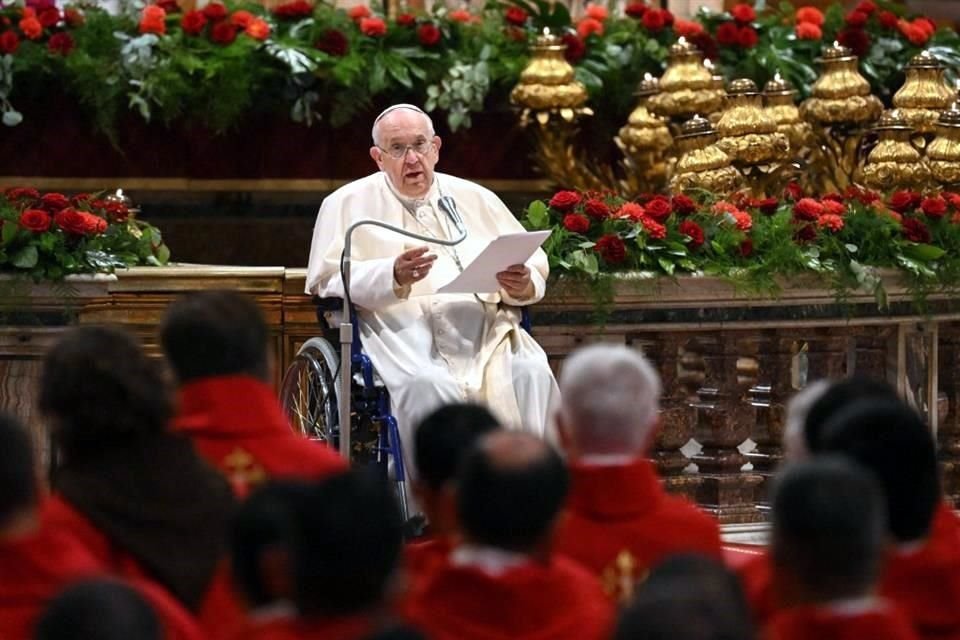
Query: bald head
x=611, y=399
x=511, y=489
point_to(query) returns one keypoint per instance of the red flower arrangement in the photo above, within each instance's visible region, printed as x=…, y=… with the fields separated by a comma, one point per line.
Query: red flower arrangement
x=50, y=236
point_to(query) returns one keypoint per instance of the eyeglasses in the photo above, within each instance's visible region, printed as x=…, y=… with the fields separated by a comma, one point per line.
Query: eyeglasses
x=398, y=150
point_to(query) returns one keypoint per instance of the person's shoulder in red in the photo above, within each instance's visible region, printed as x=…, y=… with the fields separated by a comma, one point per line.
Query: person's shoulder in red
x=619, y=519
x=486, y=599
x=238, y=426
x=924, y=579
x=422, y=559
x=756, y=577
x=871, y=619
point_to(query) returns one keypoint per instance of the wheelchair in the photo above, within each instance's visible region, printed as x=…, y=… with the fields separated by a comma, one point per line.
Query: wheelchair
x=310, y=393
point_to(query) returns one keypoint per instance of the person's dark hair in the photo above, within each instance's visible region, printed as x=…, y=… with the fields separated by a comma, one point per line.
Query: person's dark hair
x=348, y=544
x=829, y=527
x=839, y=395
x=511, y=488
x=100, y=609
x=99, y=387
x=687, y=597
x=444, y=437
x=215, y=333
x=18, y=480
x=892, y=441
x=265, y=520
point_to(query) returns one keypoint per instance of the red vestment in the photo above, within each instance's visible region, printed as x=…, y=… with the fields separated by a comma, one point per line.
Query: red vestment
x=36, y=567
x=292, y=628
x=534, y=601
x=883, y=622
x=237, y=425
x=756, y=577
x=423, y=559
x=620, y=522
x=925, y=583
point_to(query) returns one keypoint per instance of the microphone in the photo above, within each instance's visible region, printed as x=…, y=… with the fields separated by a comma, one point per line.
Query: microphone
x=449, y=207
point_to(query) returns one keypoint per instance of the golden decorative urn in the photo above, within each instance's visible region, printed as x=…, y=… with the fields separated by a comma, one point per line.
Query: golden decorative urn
x=840, y=95
x=924, y=94
x=778, y=97
x=747, y=132
x=687, y=87
x=547, y=85
x=943, y=153
x=644, y=131
x=701, y=164
x=894, y=163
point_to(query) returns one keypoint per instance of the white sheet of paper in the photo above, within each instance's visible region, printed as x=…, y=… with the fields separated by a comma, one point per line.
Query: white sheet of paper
x=480, y=276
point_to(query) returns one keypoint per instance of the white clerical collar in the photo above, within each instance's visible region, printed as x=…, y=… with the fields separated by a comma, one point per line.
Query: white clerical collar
x=855, y=606
x=490, y=560
x=910, y=548
x=607, y=459
x=412, y=203
x=279, y=610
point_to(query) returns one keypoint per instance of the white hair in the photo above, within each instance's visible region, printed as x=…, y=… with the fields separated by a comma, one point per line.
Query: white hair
x=375, y=131
x=794, y=437
x=611, y=399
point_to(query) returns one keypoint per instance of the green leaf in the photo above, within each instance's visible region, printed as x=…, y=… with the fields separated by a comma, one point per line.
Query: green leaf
x=924, y=252
x=26, y=258
x=9, y=231
x=537, y=214
x=666, y=265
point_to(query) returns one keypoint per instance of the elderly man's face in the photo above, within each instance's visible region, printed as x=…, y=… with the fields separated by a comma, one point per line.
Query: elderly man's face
x=406, y=134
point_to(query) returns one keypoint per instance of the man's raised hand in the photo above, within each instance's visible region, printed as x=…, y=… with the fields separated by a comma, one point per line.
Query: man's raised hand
x=412, y=266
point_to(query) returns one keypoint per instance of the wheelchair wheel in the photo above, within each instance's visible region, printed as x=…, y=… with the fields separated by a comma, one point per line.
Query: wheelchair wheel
x=309, y=391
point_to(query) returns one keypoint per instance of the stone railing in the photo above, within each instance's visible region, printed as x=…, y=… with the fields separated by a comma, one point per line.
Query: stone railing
x=728, y=363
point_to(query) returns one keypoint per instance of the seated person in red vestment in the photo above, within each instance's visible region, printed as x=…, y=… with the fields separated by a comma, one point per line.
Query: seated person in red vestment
x=619, y=520
x=807, y=413
x=687, y=597
x=922, y=569
x=441, y=441
x=828, y=539
x=343, y=548
x=137, y=495
x=216, y=342
x=99, y=610
x=503, y=580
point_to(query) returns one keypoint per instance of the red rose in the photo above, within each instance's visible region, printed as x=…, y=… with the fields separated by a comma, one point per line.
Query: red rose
x=766, y=206
x=193, y=22
x=635, y=10
x=48, y=17
x=597, y=12
x=926, y=25
x=916, y=35
x=516, y=15
x=836, y=197
x=93, y=224
x=79, y=198
x=223, y=33
x=687, y=28
x=653, y=228
x=793, y=191
x=588, y=27
x=460, y=15
x=9, y=42
x=830, y=221
x=693, y=231
x=115, y=211
x=31, y=28
x=805, y=233
x=865, y=196
x=668, y=18
x=631, y=210
x=428, y=34
x=72, y=221
x=746, y=248
x=258, y=29
x=53, y=202
x=743, y=13
x=596, y=209
x=684, y=205
x=728, y=34
x=807, y=209
x=658, y=209
x=21, y=193
x=914, y=230
x=373, y=27
x=833, y=208
x=857, y=40
x=153, y=20
x=747, y=38
x=706, y=44
x=241, y=18
x=576, y=223
x=35, y=220
x=333, y=43
x=60, y=42
x=810, y=15
x=808, y=31
x=576, y=48
x=406, y=20
x=887, y=19
x=952, y=198
x=654, y=19
x=742, y=219
x=611, y=249
x=866, y=6
x=73, y=17
x=359, y=12
x=934, y=207
x=293, y=10
x=903, y=201
x=565, y=200
x=215, y=12
x=170, y=6
x=857, y=19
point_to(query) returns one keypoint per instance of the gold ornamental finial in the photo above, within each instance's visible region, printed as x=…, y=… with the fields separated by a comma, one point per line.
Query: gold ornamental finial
x=840, y=95
x=687, y=86
x=747, y=132
x=547, y=85
x=925, y=92
x=943, y=153
x=702, y=165
x=778, y=97
x=894, y=163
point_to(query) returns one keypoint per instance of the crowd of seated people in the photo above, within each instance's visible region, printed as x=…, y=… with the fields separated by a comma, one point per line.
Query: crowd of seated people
x=180, y=506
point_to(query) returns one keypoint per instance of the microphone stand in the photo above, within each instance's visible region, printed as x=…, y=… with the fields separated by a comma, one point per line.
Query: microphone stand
x=346, y=323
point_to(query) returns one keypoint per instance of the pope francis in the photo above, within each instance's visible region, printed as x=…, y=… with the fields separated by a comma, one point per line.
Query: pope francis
x=432, y=349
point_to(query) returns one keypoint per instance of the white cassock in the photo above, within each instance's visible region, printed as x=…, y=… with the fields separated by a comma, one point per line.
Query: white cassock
x=433, y=349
